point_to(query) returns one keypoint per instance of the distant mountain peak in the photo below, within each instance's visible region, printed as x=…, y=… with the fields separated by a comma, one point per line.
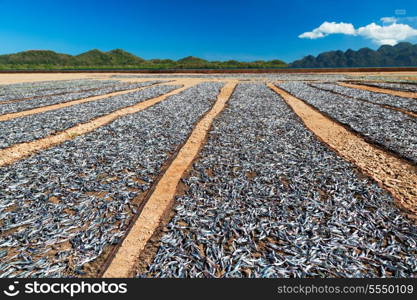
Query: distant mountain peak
x=191, y=59
x=400, y=55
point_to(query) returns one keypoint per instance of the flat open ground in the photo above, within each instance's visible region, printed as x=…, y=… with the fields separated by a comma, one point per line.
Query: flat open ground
x=208, y=175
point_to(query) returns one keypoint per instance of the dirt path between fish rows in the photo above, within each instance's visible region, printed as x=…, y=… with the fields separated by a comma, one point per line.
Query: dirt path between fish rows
x=33, y=77
x=379, y=90
x=18, y=151
x=395, y=175
x=125, y=260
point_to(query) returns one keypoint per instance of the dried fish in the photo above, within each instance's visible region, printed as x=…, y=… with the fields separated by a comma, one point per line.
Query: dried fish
x=389, y=128
x=37, y=126
x=322, y=220
x=62, y=207
x=408, y=104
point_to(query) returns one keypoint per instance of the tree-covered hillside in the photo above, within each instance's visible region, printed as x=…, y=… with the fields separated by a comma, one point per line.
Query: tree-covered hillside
x=115, y=59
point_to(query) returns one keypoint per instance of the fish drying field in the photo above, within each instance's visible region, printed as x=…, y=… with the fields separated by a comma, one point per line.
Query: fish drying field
x=243, y=175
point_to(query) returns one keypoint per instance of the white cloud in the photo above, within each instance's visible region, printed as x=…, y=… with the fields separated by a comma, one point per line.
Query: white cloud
x=403, y=20
x=390, y=42
x=387, y=35
x=329, y=28
x=390, y=33
x=389, y=20
x=400, y=11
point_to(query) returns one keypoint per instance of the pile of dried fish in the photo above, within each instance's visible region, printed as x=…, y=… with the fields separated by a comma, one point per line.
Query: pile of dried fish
x=55, y=99
x=34, y=89
x=37, y=126
x=266, y=199
x=408, y=104
x=242, y=76
x=62, y=207
x=403, y=87
x=391, y=129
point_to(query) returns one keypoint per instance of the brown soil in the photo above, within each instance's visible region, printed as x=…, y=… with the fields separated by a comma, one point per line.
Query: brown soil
x=158, y=205
x=151, y=248
x=19, y=151
x=250, y=175
x=54, y=199
x=397, y=176
x=34, y=77
x=379, y=90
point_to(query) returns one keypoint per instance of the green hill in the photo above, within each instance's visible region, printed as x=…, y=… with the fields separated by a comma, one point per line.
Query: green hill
x=118, y=58
x=115, y=57
x=400, y=55
x=192, y=60
x=94, y=57
x=34, y=57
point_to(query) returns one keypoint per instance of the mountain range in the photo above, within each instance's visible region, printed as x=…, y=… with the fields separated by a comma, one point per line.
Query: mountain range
x=402, y=54
x=118, y=58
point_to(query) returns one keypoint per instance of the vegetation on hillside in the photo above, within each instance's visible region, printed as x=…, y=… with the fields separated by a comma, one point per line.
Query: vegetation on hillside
x=400, y=55
x=117, y=59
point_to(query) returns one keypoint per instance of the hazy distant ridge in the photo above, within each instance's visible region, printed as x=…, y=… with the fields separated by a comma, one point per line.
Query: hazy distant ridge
x=402, y=54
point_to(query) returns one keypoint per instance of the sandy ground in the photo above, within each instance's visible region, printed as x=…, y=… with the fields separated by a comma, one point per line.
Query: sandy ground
x=410, y=75
x=34, y=77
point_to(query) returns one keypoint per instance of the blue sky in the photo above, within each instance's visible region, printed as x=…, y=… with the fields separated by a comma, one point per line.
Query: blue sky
x=216, y=30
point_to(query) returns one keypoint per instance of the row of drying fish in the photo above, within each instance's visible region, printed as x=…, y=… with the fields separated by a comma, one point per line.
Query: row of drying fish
x=389, y=128
x=267, y=199
x=407, y=104
x=61, y=208
x=259, y=76
x=397, y=86
x=32, y=127
x=36, y=89
x=55, y=99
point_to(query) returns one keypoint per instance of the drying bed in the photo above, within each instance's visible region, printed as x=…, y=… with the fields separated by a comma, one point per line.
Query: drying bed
x=266, y=199
x=407, y=104
x=63, y=207
x=402, y=87
x=388, y=128
x=36, y=89
x=40, y=125
x=55, y=99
